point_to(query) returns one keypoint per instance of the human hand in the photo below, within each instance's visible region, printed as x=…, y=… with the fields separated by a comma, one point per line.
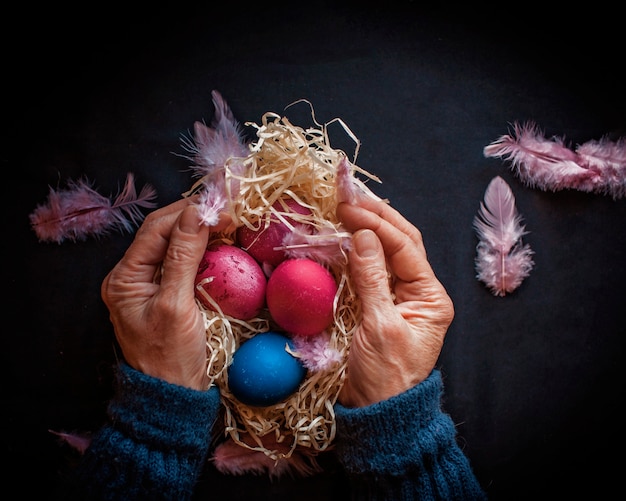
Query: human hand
x=157, y=323
x=399, y=340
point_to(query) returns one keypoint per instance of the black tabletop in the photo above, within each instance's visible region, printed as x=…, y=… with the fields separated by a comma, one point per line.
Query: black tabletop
x=533, y=379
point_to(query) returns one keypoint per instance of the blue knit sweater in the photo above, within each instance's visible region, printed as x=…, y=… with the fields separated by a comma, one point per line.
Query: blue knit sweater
x=158, y=435
x=405, y=449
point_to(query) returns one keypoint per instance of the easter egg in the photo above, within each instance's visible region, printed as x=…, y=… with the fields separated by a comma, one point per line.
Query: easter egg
x=232, y=279
x=261, y=242
x=300, y=295
x=263, y=372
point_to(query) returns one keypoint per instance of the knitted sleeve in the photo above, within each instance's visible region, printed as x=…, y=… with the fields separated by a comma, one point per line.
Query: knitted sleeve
x=154, y=445
x=405, y=448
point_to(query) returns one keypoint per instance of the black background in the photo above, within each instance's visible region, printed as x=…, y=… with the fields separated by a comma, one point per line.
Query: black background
x=534, y=380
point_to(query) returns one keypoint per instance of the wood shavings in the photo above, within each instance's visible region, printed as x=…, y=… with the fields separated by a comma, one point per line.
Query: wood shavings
x=286, y=160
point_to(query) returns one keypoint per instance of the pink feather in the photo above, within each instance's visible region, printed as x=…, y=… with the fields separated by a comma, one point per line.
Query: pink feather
x=211, y=202
x=608, y=158
x=211, y=149
x=347, y=190
x=548, y=164
x=78, y=441
x=326, y=246
x=502, y=260
x=316, y=353
x=212, y=146
x=80, y=211
x=234, y=459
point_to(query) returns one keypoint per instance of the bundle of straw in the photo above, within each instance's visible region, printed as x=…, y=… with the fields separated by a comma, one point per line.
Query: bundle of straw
x=288, y=161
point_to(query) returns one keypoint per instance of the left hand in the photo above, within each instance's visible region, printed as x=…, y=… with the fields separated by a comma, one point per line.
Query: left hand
x=157, y=323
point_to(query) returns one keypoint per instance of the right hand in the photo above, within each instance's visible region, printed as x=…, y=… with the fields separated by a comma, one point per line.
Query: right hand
x=403, y=326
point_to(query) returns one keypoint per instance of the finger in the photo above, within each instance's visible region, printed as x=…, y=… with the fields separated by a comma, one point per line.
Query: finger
x=386, y=212
x=188, y=241
x=143, y=257
x=148, y=249
x=402, y=242
x=369, y=272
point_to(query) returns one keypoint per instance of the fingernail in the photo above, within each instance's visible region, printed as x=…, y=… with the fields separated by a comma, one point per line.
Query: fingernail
x=366, y=243
x=189, y=221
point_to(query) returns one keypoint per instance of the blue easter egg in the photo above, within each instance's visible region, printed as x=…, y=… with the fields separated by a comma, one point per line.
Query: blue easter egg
x=263, y=372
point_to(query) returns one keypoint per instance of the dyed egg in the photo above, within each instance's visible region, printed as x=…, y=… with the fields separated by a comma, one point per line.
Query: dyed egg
x=300, y=295
x=263, y=372
x=261, y=243
x=233, y=280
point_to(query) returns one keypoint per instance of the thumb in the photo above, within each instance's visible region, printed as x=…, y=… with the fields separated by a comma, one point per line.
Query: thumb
x=369, y=271
x=188, y=241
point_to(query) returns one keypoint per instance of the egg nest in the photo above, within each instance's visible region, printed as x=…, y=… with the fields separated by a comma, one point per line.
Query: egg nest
x=286, y=160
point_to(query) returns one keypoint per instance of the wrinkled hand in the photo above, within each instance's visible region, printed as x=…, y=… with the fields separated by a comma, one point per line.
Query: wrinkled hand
x=399, y=340
x=157, y=323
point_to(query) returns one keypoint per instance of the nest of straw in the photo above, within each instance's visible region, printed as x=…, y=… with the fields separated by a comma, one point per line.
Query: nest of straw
x=286, y=160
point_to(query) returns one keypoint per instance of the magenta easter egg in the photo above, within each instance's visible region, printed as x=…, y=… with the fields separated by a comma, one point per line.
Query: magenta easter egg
x=300, y=295
x=261, y=243
x=263, y=371
x=233, y=280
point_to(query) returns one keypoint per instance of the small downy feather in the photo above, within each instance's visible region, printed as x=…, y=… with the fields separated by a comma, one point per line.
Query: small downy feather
x=548, y=164
x=79, y=211
x=211, y=202
x=347, y=190
x=327, y=246
x=213, y=150
x=502, y=260
x=212, y=146
x=316, y=353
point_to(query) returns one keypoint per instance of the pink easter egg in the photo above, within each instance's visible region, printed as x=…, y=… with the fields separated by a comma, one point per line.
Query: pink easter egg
x=233, y=280
x=300, y=295
x=261, y=243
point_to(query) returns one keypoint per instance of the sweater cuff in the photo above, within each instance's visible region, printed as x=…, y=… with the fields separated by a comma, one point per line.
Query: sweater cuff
x=155, y=444
x=168, y=416
x=414, y=420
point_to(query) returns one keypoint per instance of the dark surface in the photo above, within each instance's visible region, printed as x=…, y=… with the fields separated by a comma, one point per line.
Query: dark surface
x=534, y=380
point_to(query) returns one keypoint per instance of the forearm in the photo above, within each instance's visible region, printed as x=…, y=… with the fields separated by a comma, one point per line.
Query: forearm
x=154, y=445
x=405, y=448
